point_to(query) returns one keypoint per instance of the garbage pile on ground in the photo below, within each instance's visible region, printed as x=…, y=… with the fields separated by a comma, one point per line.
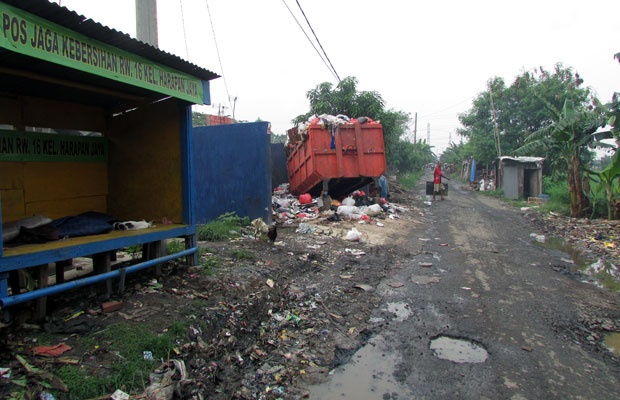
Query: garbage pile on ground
x=594, y=238
x=357, y=206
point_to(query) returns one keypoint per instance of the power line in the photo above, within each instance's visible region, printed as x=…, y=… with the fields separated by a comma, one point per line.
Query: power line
x=317, y=39
x=217, y=49
x=311, y=42
x=184, y=33
x=447, y=108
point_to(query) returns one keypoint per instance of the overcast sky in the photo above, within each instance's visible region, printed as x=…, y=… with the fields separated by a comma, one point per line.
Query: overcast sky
x=431, y=58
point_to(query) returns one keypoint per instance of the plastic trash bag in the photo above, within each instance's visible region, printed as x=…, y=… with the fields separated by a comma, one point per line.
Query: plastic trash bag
x=354, y=235
x=373, y=210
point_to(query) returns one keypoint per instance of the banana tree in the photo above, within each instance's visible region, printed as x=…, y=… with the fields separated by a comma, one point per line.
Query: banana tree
x=571, y=135
x=606, y=178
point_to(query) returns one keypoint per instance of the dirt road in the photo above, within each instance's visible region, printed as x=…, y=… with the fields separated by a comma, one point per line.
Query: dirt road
x=451, y=299
x=478, y=310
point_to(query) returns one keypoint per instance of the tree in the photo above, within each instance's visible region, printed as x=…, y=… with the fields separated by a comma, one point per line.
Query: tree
x=519, y=109
x=346, y=100
x=606, y=179
x=570, y=135
x=456, y=153
x=199, y=119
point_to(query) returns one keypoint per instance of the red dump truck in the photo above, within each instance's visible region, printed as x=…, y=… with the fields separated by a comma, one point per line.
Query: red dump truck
x=335, y=158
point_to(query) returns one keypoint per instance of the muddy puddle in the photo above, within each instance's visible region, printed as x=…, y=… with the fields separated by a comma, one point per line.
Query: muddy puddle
x=369, y=375
x=601, y=273
x=458, y=350
x=612, y=342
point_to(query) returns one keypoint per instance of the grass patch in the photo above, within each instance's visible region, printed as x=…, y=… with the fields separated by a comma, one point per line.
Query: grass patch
x=135, y=251
x=210, y=263
x=174, y=246
x=224, y=227
x=410, y=179
x=241, y=254
x=130, y=369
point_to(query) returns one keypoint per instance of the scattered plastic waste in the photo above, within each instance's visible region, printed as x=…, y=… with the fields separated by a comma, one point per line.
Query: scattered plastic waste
x=425, y=264
x=51, y=351
x=373, y=210
x=354, y=235
x=305, y=228
x=355, y=252
x=119, y=395
x=147, y=355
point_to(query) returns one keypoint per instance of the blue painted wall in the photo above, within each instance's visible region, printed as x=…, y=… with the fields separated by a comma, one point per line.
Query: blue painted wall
x=279, y=171
x=232, y=171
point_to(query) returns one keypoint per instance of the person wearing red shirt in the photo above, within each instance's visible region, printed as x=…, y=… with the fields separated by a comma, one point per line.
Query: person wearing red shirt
x=437, y=175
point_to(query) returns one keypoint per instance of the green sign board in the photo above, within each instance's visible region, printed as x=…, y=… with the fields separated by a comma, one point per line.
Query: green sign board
x=34, y=146
x=28, y=34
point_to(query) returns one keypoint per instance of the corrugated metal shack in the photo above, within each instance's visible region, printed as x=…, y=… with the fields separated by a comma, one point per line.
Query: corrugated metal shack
x=519, y=177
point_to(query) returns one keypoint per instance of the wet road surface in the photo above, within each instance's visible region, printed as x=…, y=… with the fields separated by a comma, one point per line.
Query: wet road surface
x=477, y=311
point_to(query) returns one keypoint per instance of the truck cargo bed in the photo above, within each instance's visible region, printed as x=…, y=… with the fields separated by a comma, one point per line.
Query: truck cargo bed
x=338, y=160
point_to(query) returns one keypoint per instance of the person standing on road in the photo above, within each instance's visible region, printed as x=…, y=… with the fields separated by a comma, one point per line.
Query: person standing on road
x=437, y=185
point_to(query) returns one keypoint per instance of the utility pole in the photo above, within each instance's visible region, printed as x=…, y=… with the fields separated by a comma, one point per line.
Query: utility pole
x=499, y=178
x=234, y=105
x=146, y=21
x=428, y=134
x=499, y=147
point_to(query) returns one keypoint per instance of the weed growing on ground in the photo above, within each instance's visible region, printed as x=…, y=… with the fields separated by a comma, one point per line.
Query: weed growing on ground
x=135, y=251
x=224, y=227
x=410, y=179
x=174, y=246
x=240, y=254
x=138, y=351
x=210, y=263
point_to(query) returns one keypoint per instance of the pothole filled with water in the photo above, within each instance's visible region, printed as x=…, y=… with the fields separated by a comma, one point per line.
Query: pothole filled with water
x=458, y=350
x=612, y=342
x=601, y=273
x=368, y=376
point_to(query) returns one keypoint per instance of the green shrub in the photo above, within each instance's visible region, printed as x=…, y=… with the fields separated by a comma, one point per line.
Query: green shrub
x=174, y=246
x=559, y=196
x=410, y=179
x=135, y=251
x=224, y=227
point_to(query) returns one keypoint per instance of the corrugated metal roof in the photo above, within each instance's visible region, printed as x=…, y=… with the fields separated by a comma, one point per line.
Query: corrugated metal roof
x=86, y=26
x=523, y=158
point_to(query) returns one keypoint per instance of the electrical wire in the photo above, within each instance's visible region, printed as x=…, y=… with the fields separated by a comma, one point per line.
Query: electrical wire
x=217, y=49
x=311, y=42
x=184, y=33
x=317, y=40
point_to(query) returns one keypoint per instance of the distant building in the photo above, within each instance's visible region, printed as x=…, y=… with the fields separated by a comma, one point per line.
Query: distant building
x=212, y=120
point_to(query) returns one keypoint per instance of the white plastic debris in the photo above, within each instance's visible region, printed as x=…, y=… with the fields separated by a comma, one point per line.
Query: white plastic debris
x=354, y=235
x=373, y=210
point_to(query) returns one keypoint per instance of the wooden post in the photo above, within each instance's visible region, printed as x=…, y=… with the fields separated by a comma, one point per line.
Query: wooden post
x=41, y=302
x=103, y=264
